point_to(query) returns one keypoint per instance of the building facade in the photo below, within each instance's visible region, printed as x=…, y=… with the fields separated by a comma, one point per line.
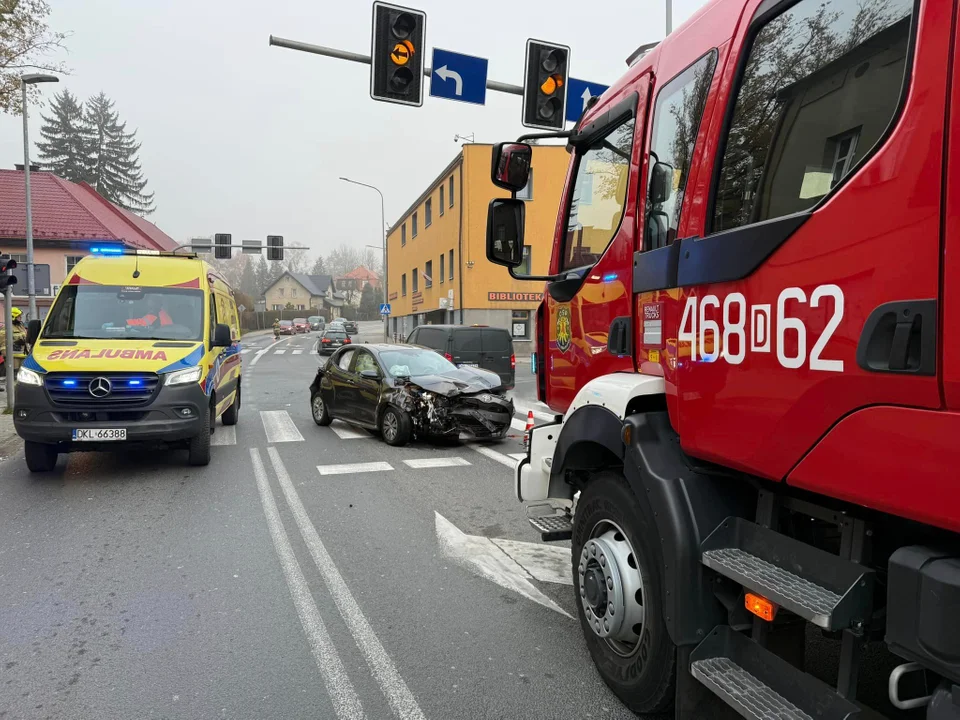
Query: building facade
x=436, y=252
x=304, y=292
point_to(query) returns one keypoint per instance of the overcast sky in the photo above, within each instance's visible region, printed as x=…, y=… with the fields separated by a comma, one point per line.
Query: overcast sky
x=249, y=139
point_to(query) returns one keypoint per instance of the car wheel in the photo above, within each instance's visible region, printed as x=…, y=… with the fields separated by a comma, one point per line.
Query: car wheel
x=40, y=457
x=618, y=581
x=199, y=446
x=232, y=413
x=321, y=415
x=395, y=426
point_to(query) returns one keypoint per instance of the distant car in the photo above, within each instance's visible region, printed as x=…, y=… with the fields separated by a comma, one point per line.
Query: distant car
x=351, y=327
x=301, y=324
x=287, y=327
x=316, y=322
x=406, y=392
x=488, y=348
x=332, y=340
x=336, y=325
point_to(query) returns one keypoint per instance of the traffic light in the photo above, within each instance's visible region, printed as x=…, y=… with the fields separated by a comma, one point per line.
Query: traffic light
x=545, y=85
x=221, y=246
x=396, y=70
x=7, y=280
x=274, y=247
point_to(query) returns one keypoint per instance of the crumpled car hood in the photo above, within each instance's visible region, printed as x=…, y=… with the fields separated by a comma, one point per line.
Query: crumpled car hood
x=454, y=382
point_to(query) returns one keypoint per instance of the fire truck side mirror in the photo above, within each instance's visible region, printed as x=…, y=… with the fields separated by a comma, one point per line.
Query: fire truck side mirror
x=33, y=331
x=661, y=182
x=505, y=218
x=511, y=165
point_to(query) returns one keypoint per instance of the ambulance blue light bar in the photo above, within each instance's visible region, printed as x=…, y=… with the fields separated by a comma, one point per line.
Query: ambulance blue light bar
x=120, y=250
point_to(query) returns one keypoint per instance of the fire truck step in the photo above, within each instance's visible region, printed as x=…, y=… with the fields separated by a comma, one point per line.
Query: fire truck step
x=760, y=685
x=558, y=526
x=822, y=588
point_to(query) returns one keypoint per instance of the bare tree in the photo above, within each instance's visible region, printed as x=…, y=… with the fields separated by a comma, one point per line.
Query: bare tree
x=26, y=42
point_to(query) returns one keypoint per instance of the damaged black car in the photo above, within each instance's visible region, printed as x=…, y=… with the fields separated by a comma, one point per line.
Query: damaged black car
x=404, y=392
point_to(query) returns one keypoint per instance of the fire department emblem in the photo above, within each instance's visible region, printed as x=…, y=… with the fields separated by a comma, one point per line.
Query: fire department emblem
x=564, y=328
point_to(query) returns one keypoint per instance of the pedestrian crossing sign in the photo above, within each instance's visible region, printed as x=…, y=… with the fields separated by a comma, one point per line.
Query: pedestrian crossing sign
x=384, y=308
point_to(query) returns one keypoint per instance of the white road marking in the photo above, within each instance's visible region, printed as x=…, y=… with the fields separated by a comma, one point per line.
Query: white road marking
x=279, y=426
x=244, y=351
x=350, y=468
x=279, y=351
x=494, y=455
x=482, y=556
x=517, y=456
x=437, y=462
x=347, y=432
x=398, y=695
x=540, y=411
x=547, y=563
x=261, y=353
x=345, y=701
x=298, y=351
x=517, y=424
x=225, y=435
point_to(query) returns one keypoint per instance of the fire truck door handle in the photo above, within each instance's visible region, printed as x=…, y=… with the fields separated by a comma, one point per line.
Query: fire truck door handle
x=900, y=337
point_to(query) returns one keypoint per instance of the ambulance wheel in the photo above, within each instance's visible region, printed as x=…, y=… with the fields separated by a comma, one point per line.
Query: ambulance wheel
x=40, y=457
x=618, y=581
x=232, y=413
x=199, y=447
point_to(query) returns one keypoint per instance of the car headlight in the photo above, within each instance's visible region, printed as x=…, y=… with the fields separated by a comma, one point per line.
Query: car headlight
x=182, y=377
x=29, y=377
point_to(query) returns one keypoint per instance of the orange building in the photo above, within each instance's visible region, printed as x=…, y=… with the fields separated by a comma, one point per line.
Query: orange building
x=436, y=252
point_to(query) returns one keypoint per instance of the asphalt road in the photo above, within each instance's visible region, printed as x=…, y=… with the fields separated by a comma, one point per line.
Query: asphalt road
x=308, y=572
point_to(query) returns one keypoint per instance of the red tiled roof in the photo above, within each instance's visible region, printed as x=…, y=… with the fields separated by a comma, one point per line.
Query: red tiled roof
x=362, y=273
x=63, y=210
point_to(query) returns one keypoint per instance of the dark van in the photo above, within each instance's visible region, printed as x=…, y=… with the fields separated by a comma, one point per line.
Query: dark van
x=485, y=347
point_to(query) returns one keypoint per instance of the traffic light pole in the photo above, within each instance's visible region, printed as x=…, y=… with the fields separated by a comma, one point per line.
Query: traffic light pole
x=365, y=59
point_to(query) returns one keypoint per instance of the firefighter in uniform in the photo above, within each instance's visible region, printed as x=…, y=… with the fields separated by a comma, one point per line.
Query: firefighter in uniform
x=276, y=328
x=19, y=338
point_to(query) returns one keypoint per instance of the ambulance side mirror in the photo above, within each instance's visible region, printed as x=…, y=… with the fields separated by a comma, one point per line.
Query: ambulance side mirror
x=33, y=331
x=221, y=336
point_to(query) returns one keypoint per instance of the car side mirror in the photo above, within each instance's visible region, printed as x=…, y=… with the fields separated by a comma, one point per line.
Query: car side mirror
x=511, y=165
x=33, y=331
x=505, y=218
x=221, y=336
x=370, y=374
x=661, y=182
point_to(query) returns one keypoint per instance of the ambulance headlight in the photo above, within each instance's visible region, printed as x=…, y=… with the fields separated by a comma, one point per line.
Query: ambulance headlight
x=29, y=377
x=182, y=377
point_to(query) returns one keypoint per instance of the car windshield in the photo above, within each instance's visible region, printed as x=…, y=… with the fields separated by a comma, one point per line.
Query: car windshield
x=300, y=321
x=414, y=363
x=314, y=319
x=126, y=313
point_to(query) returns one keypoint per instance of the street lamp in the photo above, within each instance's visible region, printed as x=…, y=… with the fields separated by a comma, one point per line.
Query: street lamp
x=30, y=79
x=383, y=224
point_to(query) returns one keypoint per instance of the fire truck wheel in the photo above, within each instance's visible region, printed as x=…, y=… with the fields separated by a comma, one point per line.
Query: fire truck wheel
x=617, y=578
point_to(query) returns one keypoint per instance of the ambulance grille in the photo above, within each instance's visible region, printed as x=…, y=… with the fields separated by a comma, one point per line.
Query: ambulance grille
x=125, y=389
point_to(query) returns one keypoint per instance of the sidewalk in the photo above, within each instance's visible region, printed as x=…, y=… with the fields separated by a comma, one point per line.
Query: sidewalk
x=10, y=442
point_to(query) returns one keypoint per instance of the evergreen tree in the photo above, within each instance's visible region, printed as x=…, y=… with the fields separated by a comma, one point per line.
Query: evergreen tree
x=248, y=278
x=262, y=272
x=319, y=268
x=115, y=170
x=368, y=310
x=63, y=149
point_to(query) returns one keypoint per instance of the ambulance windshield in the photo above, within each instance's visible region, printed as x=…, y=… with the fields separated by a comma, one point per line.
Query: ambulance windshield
x=126, y=313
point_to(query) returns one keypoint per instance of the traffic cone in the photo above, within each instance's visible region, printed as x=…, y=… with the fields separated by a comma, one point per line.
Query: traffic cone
x=527, y=429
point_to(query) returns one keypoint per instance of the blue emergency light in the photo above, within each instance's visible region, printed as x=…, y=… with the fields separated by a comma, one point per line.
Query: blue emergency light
x=107, y=250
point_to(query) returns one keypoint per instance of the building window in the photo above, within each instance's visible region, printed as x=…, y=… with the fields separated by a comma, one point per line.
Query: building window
x=443, y=258
x=277, y=307
x=790, y=140
x=520, y=325
x=451, y=191
x=524, y=268
x=72, y=261
x=414, y=223
x=441, y=198
x=280, y=292
x=428, y=274
x=428, y=213
x=21, y=259
x=416, y=280
x=451, y=264
x=403, y=285
x=403, y=235
x=301, y=307
x=526, y=192
x=293, y=292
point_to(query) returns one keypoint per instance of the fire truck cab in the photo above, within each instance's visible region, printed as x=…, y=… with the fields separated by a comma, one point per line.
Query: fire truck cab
x=749, y=336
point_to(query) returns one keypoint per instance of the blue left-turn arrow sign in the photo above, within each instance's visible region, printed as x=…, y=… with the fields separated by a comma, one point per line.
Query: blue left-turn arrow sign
x=579, y=93
x=458, y=77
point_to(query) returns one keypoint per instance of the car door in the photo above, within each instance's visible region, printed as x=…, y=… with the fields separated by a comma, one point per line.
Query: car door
x=343, y=382
x=467, y=346
x=497, y=348
x=367, y=389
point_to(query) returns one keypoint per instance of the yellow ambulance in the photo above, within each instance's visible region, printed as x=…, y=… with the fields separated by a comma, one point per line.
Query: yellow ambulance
x=138, y=347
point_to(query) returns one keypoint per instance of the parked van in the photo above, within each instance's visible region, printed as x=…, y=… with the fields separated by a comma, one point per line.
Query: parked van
x=484, y=347
x=136, y=348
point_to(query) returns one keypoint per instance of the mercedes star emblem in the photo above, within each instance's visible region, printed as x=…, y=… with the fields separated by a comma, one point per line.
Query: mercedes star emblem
x=100, y=387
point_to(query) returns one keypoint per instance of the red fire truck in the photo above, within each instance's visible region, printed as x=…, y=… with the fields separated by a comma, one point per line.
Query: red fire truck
x=751, y=336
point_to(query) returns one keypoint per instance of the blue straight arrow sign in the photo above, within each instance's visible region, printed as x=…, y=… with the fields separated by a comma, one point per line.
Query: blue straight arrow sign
x=458, y=77
x=579, y=93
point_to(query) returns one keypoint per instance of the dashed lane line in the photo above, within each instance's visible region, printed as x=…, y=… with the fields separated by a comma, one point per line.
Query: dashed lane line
x=401, y=700
x=436, y=462
x=494, y=455
x=344, y=697
x=351, y=468
x=260, y=354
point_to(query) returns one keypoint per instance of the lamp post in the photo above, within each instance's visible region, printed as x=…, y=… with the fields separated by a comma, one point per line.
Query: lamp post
x=30, y=79
x=669, y=16
x=383, y=225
